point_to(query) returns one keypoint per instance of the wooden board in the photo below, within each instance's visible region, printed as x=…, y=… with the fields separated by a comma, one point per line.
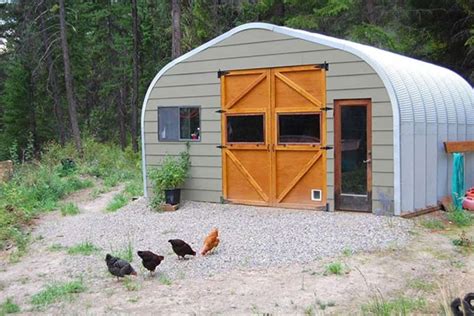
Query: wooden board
x=271, y=173
x=459, y=147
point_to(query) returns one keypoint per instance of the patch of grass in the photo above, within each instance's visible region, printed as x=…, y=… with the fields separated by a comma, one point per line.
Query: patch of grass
x=56, y=247
x=37, y=187
x=398, y=306
x=433, y=224
x=463, y=241
x=86, y=248
x=69, y=209
x=57, y=292
x=422, y=285
x=165, y=279
x=336, y=268
x=131, y=285
x=309, y=311
x=9, y=307
x=460, y=217
x=118, y=201
x=347, y=252
x=125, y=253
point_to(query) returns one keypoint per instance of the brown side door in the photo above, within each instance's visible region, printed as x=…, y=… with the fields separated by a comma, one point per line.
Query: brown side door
x=273, y=131
x=353, y=154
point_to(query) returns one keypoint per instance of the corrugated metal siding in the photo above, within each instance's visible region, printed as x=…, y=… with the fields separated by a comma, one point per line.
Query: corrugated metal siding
x=194, y=82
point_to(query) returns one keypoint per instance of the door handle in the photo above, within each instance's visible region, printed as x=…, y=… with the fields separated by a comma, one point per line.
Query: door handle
x=367, y=161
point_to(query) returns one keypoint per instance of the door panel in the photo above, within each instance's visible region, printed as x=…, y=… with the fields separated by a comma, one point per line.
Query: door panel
x=353, y=155
x=282, y=164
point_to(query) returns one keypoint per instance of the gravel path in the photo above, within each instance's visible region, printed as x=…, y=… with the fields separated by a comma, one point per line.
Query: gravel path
x=251, y=237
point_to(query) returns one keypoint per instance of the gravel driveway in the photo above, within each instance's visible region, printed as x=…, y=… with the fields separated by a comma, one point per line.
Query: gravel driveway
x=251, y=237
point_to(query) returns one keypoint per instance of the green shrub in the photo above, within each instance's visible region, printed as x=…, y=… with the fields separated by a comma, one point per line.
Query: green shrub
x=336, y=268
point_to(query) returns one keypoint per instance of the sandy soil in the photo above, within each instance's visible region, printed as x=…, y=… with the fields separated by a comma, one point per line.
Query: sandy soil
x=430, y=258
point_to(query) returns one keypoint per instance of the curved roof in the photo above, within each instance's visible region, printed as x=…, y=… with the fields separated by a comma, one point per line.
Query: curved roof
x=419, y=92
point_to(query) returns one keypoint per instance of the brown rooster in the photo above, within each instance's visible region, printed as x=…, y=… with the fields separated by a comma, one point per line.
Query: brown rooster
x=211, y=241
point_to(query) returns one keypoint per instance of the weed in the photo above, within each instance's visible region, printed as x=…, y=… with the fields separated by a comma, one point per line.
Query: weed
x=125, y=253
x=86, y=248
x=56, y=247
x=336, y=268
x=398, y=306
x=57, y=292
x=21, y=240
x=309, y=311
x=69, y=209
x=347, y=252
x=118, y=201
x=165, y=279
x=323, y=305
x=463, y=241
x=433, y=224
x=9, y=307
x=422, y=285
x=460, y=217
x=131, y=285
x=134, y=299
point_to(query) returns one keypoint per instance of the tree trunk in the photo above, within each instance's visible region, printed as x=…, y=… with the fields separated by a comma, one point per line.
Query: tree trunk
x=135, y=75
x=176, y=24
x=370, y=7
x=121, y=113
x=53, y=83
x=72, y=105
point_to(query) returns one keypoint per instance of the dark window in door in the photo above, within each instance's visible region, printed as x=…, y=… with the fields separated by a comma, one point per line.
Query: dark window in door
x=299, y=128
x=245, y=128
x=354, y=150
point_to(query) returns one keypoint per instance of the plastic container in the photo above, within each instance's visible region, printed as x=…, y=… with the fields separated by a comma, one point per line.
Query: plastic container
x=468, y=203
x=470, y=192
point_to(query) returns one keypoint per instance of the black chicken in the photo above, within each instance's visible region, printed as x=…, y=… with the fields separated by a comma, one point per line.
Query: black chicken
x=150, y=260
x=119, y=267
x=466, y=303
x=181, y=248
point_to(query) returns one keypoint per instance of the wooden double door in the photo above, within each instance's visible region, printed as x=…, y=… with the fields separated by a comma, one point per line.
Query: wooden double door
x=273, y=136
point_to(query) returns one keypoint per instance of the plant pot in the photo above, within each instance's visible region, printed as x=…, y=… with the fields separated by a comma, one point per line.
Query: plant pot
x=173, y=196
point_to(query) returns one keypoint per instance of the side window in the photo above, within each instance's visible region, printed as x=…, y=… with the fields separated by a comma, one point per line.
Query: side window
x=179, y=123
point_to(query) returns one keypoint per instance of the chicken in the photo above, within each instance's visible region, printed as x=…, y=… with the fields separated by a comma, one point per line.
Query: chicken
x=119, y=267
x=150, y=260
x=458, y=306
x=211, y=241
x=181, y=248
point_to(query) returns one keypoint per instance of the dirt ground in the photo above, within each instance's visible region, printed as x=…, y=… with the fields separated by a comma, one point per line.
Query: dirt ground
x=429, y=267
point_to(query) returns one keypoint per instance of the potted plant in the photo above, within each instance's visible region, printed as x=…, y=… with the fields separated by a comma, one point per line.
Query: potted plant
x=168, y=178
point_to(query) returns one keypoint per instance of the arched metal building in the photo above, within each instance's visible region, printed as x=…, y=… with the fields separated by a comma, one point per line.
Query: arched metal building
x=283, y=117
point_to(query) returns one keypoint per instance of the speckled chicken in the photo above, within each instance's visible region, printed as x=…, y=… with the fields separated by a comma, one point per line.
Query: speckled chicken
x=150, y=260
x=181, y=248
x=211, y=241
x=119, y=267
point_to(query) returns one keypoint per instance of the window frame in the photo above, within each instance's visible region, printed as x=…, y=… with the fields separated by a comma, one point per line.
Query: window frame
x=179, y=140
x=297, y=143
x=263, y=114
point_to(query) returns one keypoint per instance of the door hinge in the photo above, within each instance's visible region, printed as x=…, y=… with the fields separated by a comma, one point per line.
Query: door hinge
x=324, y=66
x=221, y=73
x=327, y=108
x=221, y=146
x=326, y=147
x=221, y=111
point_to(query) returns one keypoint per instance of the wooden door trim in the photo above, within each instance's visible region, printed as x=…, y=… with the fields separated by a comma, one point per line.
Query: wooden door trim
x=337, y=145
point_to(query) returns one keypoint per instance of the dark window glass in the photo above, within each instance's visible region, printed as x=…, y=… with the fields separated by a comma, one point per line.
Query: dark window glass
x=354, y=149
x=178, y=123
x=189, y=123
x=245, y=129
x=298, y=128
